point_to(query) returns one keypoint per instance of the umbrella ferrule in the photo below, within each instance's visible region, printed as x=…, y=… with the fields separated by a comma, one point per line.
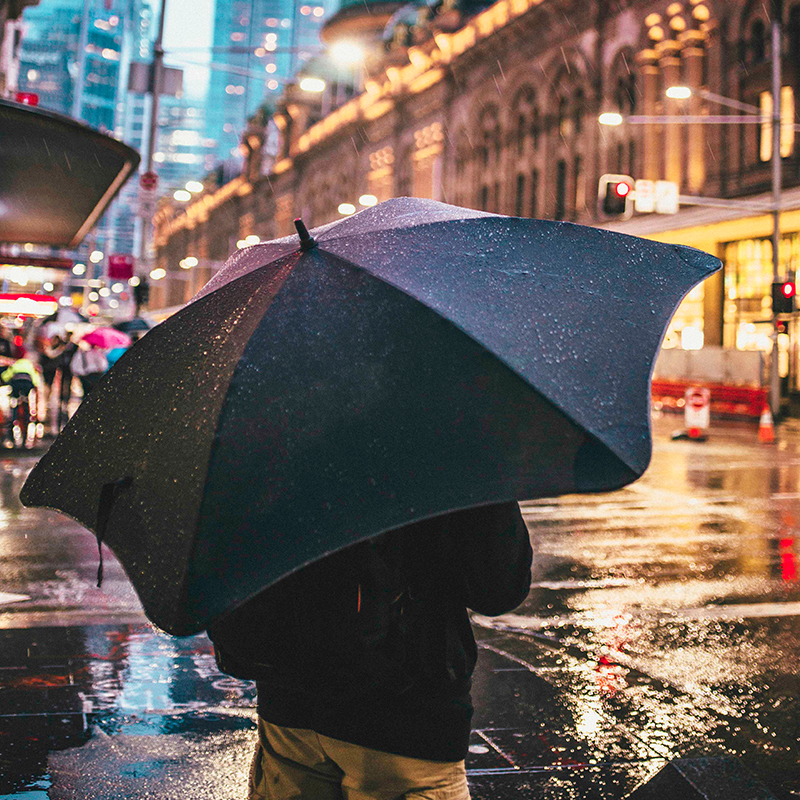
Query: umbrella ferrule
x=307, y=241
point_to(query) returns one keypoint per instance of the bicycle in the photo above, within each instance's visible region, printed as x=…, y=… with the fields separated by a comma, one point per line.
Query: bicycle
x=21, y=425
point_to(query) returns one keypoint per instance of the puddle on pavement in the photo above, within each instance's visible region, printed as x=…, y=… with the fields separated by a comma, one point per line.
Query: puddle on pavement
x=68, y=687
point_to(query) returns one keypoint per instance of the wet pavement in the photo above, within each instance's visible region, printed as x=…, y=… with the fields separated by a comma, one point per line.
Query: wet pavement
x=663, y=622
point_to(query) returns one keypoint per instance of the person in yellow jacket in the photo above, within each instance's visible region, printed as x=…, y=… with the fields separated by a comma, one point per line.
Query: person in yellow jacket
x=22, y=376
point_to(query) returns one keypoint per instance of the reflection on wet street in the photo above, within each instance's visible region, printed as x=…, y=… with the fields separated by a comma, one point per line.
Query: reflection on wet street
x=663, y=622
x=681, y=594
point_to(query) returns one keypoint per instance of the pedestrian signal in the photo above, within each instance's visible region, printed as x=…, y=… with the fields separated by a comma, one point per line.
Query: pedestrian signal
x=615, y=193
x=783, y=293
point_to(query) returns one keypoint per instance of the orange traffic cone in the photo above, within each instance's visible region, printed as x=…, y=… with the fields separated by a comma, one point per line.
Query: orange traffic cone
x=766, y=427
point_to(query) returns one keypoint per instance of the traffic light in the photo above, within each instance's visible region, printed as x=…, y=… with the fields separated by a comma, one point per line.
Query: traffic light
x=614, y=193
x=783, y=293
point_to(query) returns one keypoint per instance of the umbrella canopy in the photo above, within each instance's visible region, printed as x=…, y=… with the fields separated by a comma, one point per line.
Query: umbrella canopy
x=415, y=359
x=107, y=338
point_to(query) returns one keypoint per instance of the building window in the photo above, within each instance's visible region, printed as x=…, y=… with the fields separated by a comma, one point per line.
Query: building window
x=521, y=132
x=794, y=34
x=561, y=189
x=563, y=117
x=577, y=111
x=536, y=126
x=758, y=41
x=519, y=207
x=787, y=123
x=534, y=192
x=484, y=198
x=580, y=188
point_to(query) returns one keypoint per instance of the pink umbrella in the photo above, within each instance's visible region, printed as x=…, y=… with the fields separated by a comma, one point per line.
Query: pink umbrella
x=107, y=338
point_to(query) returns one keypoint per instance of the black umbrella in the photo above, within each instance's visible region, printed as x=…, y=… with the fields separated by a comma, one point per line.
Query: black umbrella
x=417, y=358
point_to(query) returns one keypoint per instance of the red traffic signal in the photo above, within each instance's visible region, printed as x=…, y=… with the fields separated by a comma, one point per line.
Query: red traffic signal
x=27, y=98
x=622, y=189
x=783, y=294
x=614, y=193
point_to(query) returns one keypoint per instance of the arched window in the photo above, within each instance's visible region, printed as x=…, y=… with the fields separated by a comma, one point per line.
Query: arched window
x=625, y=94
x=794, y=34
x=536, y=128
x=578, y=110
x=563, y=116
x=522, y=130
x=758, y=41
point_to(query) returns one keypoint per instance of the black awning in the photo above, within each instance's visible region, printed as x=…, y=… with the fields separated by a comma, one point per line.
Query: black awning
x=57, y=175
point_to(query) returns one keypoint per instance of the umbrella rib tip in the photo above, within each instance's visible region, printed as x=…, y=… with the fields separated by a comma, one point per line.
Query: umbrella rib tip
x=307, y=241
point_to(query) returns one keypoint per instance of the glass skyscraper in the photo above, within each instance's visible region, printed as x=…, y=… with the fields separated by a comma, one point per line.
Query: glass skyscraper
x=258, y=46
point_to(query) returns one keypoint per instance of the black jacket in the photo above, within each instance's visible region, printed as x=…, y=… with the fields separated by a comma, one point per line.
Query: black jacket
x=478, y=558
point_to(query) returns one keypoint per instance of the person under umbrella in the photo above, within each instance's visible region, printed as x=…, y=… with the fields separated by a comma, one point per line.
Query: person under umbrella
x=415, y=367
x=89, y=364
x=363, y=661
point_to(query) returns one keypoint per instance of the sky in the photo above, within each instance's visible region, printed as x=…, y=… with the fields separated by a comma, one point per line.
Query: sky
x=189, y=24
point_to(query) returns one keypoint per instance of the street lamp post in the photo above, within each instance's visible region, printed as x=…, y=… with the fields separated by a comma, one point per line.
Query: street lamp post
x=157, y=81
x=774, y=384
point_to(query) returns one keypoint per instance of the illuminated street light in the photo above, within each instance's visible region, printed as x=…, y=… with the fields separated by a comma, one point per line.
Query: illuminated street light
x=79, y=269
x=96, y=257
x=194, y=186
x=679, y=92
x=189, y=262
x=610, y=118
x=251, y=240
x=347, y=53
x=347, y=208
x=134, y=281
x=158, y=273
x=315, y=85
x=368, y=200
x=182, y=196
x=117, y=287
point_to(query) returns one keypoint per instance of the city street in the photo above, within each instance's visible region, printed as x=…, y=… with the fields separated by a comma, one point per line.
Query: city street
x=663, y=623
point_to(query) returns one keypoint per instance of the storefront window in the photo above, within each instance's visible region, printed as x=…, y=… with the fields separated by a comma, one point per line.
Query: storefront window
x=747, y=313
x=686, y=327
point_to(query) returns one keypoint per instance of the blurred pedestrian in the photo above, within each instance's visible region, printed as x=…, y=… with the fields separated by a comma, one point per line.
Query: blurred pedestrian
x=7, y=346
x=363, y=660
x=50, y=349
x=23, y=377
x=65, y=380
x=89, y=363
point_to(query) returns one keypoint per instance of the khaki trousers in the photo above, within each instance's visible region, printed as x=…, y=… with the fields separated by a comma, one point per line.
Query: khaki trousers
x=293, y=763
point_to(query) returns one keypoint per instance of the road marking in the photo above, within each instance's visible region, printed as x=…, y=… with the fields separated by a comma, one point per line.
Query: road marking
x=590, y=584
x=733, y=611
x=6, y=598
x=741, y=611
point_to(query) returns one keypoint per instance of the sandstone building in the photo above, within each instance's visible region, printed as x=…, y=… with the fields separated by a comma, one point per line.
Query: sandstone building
x=497, y=108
